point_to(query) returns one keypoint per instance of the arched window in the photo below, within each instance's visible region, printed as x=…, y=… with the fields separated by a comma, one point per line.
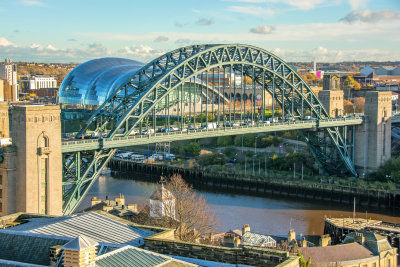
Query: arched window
x=43, y=140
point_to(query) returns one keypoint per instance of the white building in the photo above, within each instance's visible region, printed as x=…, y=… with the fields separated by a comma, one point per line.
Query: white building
x=38, y=82
x=8, y=72
x=162, y=203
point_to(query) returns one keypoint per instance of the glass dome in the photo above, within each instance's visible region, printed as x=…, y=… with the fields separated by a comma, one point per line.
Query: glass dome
x=92, y=82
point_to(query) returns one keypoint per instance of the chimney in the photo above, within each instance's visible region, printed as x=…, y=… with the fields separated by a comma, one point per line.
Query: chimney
x=325, y=240
x=236, y=242
x=360, y=238
x=246, y=228
x=291, y=236
x=303, y=243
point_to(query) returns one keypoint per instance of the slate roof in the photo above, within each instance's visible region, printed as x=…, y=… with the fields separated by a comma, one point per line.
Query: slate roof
x=27, y=248
x=338, y=253
x=374, y=242
x=129, y=256
x=80, y=243
x=91, y=224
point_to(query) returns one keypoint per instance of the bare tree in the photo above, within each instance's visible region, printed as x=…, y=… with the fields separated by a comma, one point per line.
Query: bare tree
x=189, y=214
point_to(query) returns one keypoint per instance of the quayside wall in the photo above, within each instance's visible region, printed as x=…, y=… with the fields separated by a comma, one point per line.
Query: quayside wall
x=260, y=185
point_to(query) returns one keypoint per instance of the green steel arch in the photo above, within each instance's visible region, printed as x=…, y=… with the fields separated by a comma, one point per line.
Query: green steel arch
x=141, y=94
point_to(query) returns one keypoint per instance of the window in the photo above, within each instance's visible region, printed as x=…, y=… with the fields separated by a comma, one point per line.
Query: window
x=1, y=179
x=388, y=263
x=44, y=142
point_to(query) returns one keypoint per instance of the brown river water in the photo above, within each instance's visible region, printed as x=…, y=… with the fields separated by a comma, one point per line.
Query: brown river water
x=267, y=215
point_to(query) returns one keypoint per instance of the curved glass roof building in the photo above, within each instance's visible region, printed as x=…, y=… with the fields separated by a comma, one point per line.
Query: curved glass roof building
x=93, y=81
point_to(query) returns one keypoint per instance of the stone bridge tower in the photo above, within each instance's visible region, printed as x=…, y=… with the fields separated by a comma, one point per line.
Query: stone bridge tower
x=373, y=138
x=333, y=102
x=36, y=134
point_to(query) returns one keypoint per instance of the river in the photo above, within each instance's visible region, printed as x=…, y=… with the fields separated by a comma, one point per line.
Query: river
x=268, y=215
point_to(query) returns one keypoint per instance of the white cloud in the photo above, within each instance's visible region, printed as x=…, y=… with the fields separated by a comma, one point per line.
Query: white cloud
x=5, y=42
x=304, y=4
x=300, y=4
x=323, y=54
x=252, y=10
x=264, y=29
x=371, y=16
x=307, y=32
x=49, y=53
x=140, y=52
x=355, y=4
x=32, y=3
x=50, y=47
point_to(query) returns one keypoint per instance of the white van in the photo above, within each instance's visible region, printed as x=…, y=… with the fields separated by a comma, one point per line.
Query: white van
x=137, y=157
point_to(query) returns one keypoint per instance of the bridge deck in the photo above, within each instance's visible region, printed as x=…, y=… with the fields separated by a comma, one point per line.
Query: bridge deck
x=116, y=142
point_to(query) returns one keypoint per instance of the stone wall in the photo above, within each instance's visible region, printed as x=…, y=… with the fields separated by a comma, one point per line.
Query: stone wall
x=245, y=255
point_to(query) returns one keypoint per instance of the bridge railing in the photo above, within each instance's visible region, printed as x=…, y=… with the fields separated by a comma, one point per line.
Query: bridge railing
x=187, y=131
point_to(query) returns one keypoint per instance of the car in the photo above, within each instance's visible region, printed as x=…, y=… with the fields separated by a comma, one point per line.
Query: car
x=192, y=128
x=169, y=156
x=148, y=131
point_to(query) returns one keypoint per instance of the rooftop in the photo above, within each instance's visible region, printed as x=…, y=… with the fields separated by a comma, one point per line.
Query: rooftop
x=80, y=243
x=338, y=253
x=254, y=239
x=135, y=257
x=27, y=248
x=95, y=225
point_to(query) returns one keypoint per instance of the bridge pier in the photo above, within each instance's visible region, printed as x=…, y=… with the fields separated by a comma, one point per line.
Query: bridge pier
x=373, y=138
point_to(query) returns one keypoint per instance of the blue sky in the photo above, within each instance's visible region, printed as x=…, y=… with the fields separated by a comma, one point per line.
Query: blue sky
x=296, y=30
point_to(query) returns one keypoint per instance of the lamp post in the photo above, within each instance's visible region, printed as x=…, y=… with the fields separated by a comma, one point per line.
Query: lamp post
x=255, y=145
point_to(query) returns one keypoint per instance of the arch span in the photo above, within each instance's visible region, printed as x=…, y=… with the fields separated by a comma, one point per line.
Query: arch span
x=143, y=92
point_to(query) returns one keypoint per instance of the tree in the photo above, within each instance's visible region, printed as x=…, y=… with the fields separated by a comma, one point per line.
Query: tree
x=348, y=106
x=224, y=140
x=212, y=159
x=194, y=220
x=193, y=149
x=359, y=102
x=351, y=83
x=302, y=261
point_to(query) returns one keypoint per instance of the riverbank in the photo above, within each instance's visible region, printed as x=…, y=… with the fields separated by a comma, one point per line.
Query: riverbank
x=257, y=185
x=266, y=214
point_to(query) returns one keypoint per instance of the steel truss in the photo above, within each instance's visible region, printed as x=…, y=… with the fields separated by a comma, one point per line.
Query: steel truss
x=140, y=98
